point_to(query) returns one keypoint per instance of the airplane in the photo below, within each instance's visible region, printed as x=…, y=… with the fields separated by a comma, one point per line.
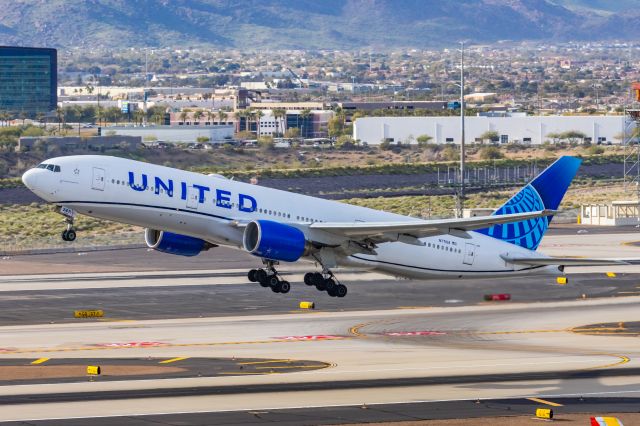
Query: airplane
x=185, y=213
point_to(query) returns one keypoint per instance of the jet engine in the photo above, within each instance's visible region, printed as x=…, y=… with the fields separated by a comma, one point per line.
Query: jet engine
x=275, y=241
x=168, y=242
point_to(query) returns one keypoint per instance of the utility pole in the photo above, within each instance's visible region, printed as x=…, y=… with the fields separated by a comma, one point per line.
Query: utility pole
x=460, y=197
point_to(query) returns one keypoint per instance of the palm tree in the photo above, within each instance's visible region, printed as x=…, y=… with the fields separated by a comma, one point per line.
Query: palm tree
x=183, y=116
x=197, y=116
x=60, y=117
x=304, y=115
x=279, y=113
x=209, y=116
x=257, y=114
x=222, y=117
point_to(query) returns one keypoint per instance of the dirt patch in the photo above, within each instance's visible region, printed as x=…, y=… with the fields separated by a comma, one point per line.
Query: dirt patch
x=31, y=372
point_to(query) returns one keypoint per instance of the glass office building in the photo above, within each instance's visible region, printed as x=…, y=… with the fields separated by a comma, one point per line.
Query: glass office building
x=28, y=80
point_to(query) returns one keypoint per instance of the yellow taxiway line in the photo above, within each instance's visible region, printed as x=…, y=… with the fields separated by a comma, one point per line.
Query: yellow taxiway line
x=39, y=361
x=167, y=361
x=544, y=401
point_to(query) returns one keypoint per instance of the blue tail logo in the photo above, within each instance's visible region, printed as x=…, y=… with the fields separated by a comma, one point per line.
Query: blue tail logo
x=544, y=192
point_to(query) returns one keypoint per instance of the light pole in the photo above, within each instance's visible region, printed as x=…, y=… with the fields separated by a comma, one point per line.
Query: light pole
x=460, y=197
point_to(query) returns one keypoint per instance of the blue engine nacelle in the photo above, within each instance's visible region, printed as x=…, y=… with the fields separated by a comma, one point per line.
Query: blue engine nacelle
x=168, y=242
x=275, y=241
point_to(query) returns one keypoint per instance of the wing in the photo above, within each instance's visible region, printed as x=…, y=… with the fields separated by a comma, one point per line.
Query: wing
x=410, y=231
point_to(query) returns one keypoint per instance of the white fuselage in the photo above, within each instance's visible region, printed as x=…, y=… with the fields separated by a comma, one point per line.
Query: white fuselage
x=208, y=207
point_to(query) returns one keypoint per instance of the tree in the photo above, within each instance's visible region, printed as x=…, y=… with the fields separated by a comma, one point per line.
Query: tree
x=335, y=127
x=344, y=142
x=257, y=115
x=183, y=116
x=292, y=133
x=222, y=117
x=197, y=115
x=490, y=135
x=278, y=114
x=60, y=117
x=490, y=153
x=266, y=142
x=423, y=140
x=304, y=115
x=573, y=136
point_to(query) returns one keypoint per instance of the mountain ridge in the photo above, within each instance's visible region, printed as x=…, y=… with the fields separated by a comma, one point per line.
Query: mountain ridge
x=307, y=24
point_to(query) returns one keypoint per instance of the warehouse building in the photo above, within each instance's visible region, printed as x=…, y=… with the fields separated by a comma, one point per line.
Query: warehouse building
x=527, y=130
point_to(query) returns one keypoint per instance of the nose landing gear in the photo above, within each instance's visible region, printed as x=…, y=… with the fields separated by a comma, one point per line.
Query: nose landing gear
x=68, y=234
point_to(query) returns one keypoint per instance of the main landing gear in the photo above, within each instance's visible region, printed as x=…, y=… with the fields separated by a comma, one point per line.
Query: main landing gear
x=268, y=277
x=326, y=281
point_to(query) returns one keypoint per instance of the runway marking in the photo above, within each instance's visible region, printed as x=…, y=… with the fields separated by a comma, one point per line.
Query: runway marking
x=168, y=361
x=292, y=367
x=273, y=361
x=518, y=331
x=40, y=361
x=623, y=360
x=355, y=330
x=544, y=401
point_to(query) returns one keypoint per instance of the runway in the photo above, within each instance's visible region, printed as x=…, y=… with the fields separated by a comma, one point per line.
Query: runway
x=391, y=350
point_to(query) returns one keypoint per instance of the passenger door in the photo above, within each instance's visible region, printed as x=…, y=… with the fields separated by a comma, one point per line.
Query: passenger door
x=469, y=253
x=98, y=179
x=193, y=198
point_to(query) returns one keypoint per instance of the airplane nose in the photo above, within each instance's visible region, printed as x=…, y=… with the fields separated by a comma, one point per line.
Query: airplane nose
x=30, y=177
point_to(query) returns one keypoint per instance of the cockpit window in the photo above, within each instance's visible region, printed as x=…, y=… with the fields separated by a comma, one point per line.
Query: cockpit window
x=51, y=167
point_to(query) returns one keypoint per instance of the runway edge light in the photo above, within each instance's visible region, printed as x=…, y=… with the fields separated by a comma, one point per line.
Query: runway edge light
x=544, y=413
x=562, y=280
x=93, y=370
x=307, y=305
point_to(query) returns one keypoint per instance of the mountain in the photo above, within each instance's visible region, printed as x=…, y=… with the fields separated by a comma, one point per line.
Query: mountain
x=310, y=24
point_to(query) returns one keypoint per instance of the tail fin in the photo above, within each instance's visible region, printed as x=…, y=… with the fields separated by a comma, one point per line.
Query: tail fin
x=544, y=192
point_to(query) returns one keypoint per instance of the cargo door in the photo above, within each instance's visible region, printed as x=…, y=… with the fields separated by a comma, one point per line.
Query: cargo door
x=469, y=253
x=98, y=179
x=193, y=198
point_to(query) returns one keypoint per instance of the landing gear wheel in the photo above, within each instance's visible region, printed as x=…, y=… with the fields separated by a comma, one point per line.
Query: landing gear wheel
x=284, y=286
x=332, y=291
x=275, y=288
x=64, y=235
x=273, y=281
x=308, y=278
x=320, y=286
x=252, y=275
x=329, y=284
x=341, y=290
x=316, y=279
x=261, y=276
x=71, y=235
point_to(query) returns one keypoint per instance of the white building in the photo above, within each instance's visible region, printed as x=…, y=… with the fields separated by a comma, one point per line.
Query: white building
x=531, y=129
x=214, y=134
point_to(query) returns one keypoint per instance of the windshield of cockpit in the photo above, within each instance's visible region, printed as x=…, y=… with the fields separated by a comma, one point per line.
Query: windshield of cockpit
x=51, y=167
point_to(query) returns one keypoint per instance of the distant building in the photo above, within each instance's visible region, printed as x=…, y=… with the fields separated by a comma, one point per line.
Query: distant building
x=392, y=105
x=213, y=134
x=526, y=130
x=28, y=80
x=27, y=143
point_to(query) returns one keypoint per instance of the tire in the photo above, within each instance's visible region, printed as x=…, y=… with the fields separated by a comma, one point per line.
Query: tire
x=64, y=235
x=341, y=290
x=261, y=276
x=275, y=288
x=273, y=281
x=252, y=275
x=332, y=292
x=317, y=279
x=71, y=235
x=329, y=284
x=284, y=286
x=320, y=286
x=308, y=278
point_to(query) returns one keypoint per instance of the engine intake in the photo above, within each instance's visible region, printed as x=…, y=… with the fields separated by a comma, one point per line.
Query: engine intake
x=181, y=245
x=275, y=241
